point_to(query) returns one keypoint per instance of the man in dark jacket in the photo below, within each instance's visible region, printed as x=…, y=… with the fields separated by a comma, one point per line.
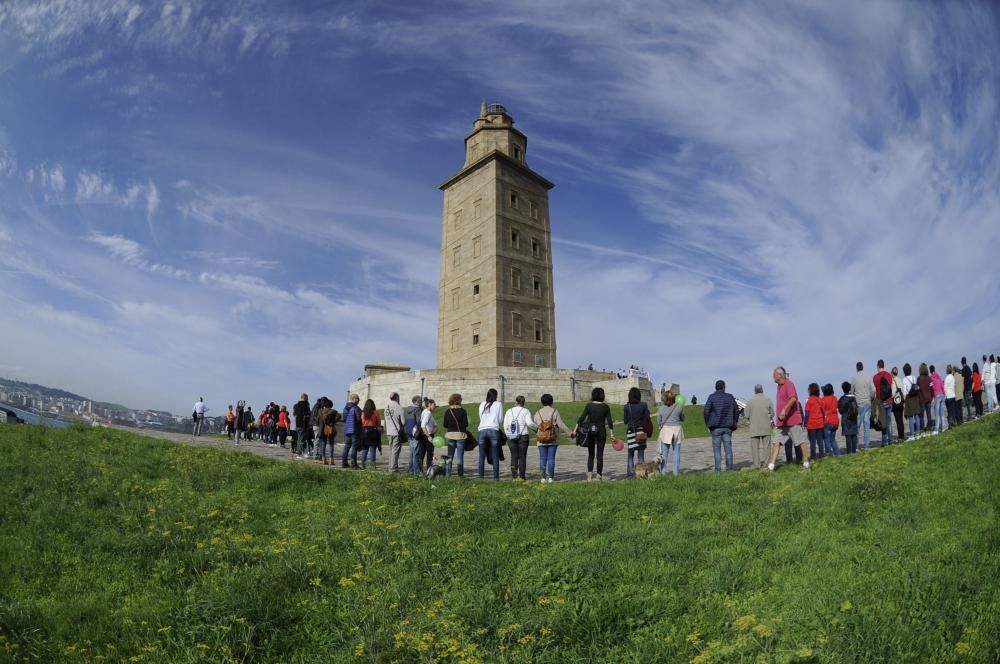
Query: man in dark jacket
x=302, y=412
x=967, y=389
x=721, y=413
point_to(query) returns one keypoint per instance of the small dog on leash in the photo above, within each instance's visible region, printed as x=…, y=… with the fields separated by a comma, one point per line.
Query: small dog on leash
x=647, y=469
x=437, y=467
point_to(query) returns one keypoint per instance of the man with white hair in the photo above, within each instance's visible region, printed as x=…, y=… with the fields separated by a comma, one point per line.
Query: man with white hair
x=760, y=414
x=788, y=420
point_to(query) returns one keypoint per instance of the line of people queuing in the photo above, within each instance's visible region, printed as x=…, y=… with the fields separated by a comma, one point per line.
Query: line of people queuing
x=805, y=430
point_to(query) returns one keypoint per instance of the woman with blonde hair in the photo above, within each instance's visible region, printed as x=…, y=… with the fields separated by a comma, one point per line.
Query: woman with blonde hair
x=670, y=415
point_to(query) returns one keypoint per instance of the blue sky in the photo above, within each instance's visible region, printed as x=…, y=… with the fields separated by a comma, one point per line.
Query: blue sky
x=239, y=199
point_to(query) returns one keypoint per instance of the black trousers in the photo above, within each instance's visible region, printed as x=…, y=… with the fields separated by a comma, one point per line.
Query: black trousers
x=595, y=450
x=518, y=455
x=897, y=414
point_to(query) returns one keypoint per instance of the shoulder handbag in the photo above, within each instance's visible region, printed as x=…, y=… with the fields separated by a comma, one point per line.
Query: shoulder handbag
x=632, y=432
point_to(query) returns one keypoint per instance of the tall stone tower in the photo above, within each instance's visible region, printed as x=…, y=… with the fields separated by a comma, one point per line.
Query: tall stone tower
x=496, y=306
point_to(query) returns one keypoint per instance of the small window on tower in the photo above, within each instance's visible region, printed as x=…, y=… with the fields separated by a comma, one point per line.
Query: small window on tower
x=516, y=357
x=475, y=336
x=477, y=209
x=517, y=153
x=538, y=331
x=477, y=247
x=515, y=239
x=539, y=360
x=515, y=278
x=454, y=339
x=454, y=299
x=536, y=248
x=475, y=290
x=458, y=219
x=456, y=255
x=513, y=199
x=534, y=210
x=536, y=286
x=516, y=325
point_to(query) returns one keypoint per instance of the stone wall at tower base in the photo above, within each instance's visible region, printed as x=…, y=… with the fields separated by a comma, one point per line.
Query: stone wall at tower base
x=438, y=384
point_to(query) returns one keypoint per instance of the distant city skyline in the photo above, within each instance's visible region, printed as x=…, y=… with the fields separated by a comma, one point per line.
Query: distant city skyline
x=239, y=200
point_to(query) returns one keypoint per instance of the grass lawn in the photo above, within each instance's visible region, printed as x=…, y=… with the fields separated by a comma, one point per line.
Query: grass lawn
x=116, y=547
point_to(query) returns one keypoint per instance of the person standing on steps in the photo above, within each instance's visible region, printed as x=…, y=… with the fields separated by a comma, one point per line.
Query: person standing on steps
x=548, y=424
x=517, y=424
x=721, y=414
x=897, y=404
x=863, y=390
x=831, y=417
x=788, y=420
x=959, y=392
x=949, y=396
x=638, y=425
x=595, y=416
x=490, y=421
x=395, y=429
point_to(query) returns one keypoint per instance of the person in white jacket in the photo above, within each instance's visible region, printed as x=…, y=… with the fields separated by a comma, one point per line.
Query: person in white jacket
x=517, y=424
x=490, y=421
x=990, y=383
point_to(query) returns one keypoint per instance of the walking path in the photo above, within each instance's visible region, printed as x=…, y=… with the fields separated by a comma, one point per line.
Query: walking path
x=571, y=461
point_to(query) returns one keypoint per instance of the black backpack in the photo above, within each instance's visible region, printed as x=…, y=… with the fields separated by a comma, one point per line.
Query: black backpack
x=884, y=389
x=852, y=410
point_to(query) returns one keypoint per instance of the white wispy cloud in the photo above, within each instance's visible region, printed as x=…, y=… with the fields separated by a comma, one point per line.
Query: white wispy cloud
x=132, y=253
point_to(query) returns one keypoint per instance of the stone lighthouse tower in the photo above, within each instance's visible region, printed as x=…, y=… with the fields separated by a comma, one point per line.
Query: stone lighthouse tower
x=496, y=306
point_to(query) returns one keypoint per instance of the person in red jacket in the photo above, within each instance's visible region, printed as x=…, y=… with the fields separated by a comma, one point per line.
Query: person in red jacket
x=977, y=389
x=815, y=421
x=831, y=420
x=283, y=425
x=883, y=393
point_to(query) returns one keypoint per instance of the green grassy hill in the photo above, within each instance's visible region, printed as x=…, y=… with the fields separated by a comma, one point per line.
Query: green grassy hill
x=115, y=547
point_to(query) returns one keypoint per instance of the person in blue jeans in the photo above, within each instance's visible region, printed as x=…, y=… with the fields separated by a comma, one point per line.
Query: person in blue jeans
x=548, y=425
x=456, y=423
x=721, y=414
x=352, y=432
x=490, y=420
x=671, y=418
x=411, y=424
x=636, y=415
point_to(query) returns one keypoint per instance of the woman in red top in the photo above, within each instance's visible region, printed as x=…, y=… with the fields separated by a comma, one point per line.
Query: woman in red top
x=371, y=432
x=977, y=389
x=831, y=418
x=283, y=425
x=815, y=421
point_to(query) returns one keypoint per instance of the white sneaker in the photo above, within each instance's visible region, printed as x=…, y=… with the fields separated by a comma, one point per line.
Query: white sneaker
x=544, y=481
x=551, y=480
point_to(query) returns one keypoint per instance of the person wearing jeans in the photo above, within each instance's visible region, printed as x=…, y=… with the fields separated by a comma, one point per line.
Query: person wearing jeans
x=863, y=390
x=490, y=420
x=199, y=415
x=721, y=413
x=884, y=385
x=456, y=423
x=352, y=431
x=548, y=425
x=670, y=416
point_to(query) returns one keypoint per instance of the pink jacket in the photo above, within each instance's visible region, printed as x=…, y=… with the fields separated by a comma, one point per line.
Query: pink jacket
x=938, y=384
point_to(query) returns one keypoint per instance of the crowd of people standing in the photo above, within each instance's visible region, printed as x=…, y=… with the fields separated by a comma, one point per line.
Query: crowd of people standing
x=908, y=403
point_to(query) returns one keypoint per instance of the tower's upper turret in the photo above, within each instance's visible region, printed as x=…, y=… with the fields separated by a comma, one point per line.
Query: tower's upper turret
x=494, y=130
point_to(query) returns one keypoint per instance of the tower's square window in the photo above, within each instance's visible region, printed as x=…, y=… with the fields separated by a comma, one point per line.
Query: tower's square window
x=539, y=360
x=515, y=278
x=536, y=248
x=515, y=239
x=513, y=199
